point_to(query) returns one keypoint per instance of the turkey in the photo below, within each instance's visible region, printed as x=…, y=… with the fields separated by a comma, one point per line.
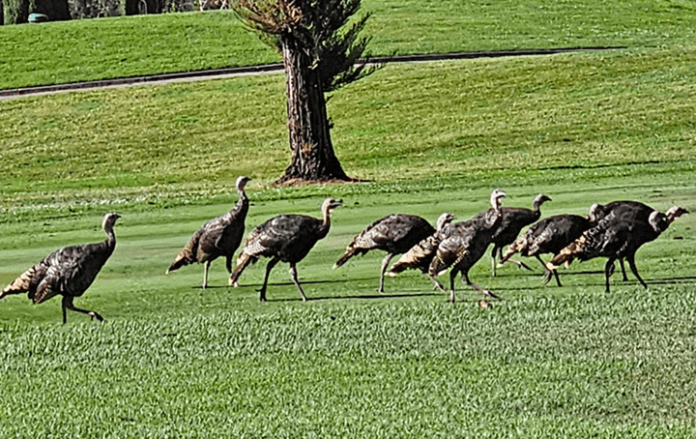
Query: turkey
x=618, y=235
x=421, y=254
x=68, y=271
x=549, y=235
x=220, y=236
x=286, y=238
x=513, y=221
x=395, y=234
x=599, y=211
x=466, y=244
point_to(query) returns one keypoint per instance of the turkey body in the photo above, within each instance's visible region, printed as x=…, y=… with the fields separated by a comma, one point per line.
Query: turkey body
x=639, y=210
x=421, y=254
x=618, y=235
x=68, y=272
x=284, y=238
x=549, y=235
x=464, y=246
x=219, y=237
x=395, y=234
x=513, y=220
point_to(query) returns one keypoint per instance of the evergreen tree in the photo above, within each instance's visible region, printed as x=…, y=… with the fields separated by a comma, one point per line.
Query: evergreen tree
x=319, y=50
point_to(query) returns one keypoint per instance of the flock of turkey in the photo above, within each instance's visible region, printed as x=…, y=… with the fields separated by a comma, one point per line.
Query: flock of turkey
x=615, y=231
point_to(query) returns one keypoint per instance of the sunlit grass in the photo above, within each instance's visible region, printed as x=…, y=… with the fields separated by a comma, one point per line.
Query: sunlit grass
x=567, y=117
x=82, y=50
x=173, y=360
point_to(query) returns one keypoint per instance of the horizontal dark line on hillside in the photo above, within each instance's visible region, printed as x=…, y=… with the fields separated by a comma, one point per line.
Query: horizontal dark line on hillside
x=605, y=165
x=274, y=68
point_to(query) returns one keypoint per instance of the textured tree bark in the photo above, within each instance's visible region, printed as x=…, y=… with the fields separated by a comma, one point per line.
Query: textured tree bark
x=16, y=11
x=2, y=14
x=313, y=157
x=138, y=7
x=57, y=10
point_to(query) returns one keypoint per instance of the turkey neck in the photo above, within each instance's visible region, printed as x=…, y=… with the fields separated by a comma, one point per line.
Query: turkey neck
x=326, y=222
x=498, y=213
x=537, y=208
x=243, y=203
x=670, y=219
x=111, y=236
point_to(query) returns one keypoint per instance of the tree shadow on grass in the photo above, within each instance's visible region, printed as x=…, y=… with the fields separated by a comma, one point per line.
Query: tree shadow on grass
x=461, y=290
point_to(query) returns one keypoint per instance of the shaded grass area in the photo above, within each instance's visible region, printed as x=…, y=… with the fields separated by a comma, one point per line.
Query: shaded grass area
x=82, y=50
x=562, y=118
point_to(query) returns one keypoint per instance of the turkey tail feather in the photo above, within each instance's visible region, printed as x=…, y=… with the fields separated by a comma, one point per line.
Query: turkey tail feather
x=408, y=261
x=185, y=257
x=20, y=285
x=419, y=257
x=242, y=262
x=567, y=254
x=350, y=252
x=513, y=248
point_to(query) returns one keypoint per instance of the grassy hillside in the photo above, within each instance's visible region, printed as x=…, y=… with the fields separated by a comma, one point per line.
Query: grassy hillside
x=173, y=360
x=575, y=117
x=94, y=49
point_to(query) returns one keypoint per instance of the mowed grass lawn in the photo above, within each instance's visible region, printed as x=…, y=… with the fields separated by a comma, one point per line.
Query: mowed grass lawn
x=574, y=117
x=60, y=52
x=173, y=360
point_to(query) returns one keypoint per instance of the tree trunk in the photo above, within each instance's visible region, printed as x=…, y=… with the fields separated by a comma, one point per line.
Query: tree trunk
x=16, y=11
x=313, y=157
x=2, y=14
x=56, y=10
x=141, y=7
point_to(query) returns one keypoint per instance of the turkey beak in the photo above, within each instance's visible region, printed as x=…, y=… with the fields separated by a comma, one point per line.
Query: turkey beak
x=336, y=203
x=681, y=211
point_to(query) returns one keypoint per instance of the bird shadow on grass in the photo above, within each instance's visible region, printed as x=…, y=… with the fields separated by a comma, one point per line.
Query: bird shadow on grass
x=277, y=284
x=616, y=279
x=361, y=297
x=541, y=274
x=671, y=280
x=272, y=285
x=633, y=282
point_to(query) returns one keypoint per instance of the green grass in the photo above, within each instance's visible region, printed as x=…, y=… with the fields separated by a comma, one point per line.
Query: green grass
x=173, y=360
x=63, y=52
x=567, y=117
